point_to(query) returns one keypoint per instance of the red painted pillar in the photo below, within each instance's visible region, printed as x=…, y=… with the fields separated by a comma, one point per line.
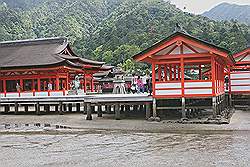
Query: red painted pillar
x=67, y=82
x=57, y=83
x=174, y=72
x=213, y=74
x=182, y=77
x=159, y=72
x=4, y=86
x=39, y=84
x=33, y=84
x=85, y=84
x=21, y=84
x=170, y=72
x=92, y=84
x=165, y=72
x=153, y=78
x=200, y=73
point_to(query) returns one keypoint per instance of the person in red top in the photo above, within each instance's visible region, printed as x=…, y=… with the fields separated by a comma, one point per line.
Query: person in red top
x=139, y=85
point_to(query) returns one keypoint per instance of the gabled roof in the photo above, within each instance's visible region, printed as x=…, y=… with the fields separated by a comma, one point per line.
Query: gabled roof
x=187, y=36
x=40, y=53
x=242, y=57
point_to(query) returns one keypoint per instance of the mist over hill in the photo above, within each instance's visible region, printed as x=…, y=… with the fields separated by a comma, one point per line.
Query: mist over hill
x=226, y=11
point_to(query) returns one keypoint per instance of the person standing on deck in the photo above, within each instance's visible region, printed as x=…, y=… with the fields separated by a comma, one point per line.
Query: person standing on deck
x=50, y=86
x=18, y=88
x=149, y=84
x=139, y=85
x=133, y=84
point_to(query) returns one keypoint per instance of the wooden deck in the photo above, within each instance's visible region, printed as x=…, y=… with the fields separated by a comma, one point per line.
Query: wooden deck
x=62, y=103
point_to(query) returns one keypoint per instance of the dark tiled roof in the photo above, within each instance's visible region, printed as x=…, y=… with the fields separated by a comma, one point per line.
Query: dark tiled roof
x=40, y=53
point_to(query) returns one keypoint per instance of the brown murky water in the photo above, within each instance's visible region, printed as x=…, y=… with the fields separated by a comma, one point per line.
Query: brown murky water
x=107, y=148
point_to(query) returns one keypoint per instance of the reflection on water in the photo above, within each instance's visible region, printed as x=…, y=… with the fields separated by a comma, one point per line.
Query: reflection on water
x=126, y=149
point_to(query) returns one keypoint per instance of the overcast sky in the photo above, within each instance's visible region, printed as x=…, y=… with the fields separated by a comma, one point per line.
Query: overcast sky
x=200, y=6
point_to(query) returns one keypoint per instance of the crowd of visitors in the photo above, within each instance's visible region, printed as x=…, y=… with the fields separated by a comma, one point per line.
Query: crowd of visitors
x=141, y=84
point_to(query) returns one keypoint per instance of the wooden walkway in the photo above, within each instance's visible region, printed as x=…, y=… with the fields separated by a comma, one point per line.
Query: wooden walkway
x=61, y=103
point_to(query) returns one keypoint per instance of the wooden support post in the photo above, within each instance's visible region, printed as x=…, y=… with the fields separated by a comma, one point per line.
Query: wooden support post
x=70, y=106
x=122, y=108
x=141, y=108
x=89, y=111
x=117, y=112
x=154, y=108
x=93, y=109
x=78, y=107
x=148, y=111
x=47, y=108
x=56, y=108
x=135, y=108
x=64, y=107
x=183, y=108
x=61, y=108
x=38, y=108
x=6, y=109
x=99, y=111
x=127, y=110
x=214, y=103
x=16, y=107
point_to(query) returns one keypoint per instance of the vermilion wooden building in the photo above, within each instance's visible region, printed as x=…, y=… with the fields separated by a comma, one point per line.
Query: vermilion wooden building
x=34, y=64
x=240, y=73
x=179, y=55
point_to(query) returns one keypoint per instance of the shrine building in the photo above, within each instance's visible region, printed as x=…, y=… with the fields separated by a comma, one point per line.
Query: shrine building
x=182, y=62
x=44, y=67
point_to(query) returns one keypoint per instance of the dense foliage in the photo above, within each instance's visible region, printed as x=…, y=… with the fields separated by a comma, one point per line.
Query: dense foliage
x=112, y=30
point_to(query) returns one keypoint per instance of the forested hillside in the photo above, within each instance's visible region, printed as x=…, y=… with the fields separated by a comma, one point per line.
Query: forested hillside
x=112, y=30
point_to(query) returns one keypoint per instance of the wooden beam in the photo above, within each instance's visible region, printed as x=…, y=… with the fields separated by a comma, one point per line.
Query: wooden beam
x=188, y=55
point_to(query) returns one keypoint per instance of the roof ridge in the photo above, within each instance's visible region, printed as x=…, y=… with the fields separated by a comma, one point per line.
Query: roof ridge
x=37, y=41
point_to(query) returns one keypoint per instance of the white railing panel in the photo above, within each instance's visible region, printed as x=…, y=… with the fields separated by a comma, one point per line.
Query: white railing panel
x=240, y=75
x=197, y=91
x=240, y=88
x=197, y=84
x=56, y=93
x=167, y=85
x=240, y=82
x=41, y=93
x=12, y=95
x=26, y=94
x=168, y=92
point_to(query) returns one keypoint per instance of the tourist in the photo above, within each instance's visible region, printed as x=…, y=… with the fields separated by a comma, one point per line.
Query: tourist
x=144, y=84
x=18, y=87
x=50, y=87
x=149, y=84
x=139, y=85
x=133, y=84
